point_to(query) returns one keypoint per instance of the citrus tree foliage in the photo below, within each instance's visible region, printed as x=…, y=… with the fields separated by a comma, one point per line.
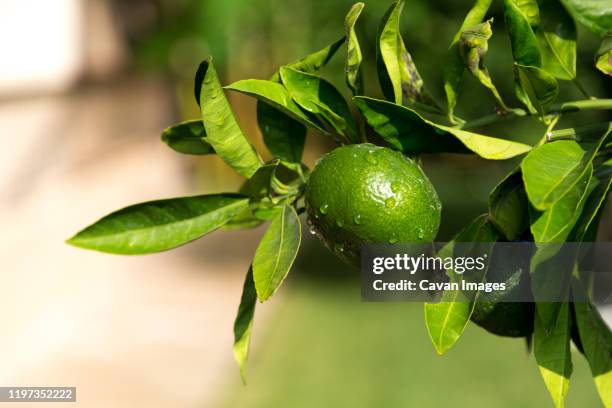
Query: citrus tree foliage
x=555, y=194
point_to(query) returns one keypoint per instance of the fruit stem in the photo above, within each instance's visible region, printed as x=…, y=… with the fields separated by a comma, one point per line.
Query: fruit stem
x=581, y=133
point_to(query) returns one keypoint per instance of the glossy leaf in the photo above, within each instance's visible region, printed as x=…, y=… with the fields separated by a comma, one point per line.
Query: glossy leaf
x=320, y=98
x=222, y=130
x=551, y=170
x=596, y=15
x=399, y=78
x=596, y=340
x=406, y=130
x=312, y=63
x=473, y=46
x=603, y=57
x=188, y=137
x=553, y=355
x=557, y=36
x=538, y=85
x=520, y=17
x=508, y=206
x=447, y=319
x=556, y=223
x=453, y=67
x=353, y=53
x=243, y=325
x=159, y=225
x=276, y=252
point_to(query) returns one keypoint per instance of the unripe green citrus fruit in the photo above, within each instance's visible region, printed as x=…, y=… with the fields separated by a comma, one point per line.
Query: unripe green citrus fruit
x=366, y=193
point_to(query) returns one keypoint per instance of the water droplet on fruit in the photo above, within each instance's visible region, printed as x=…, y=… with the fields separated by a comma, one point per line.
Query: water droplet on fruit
x=371, y=159
x=323, y=209
x=395, y=186
x=390, y=202
x=421, y=233
x=357, y=219
x=339, y=222
x=393, y=239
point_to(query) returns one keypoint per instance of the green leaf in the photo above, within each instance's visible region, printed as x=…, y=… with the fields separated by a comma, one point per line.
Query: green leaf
x=596, y=340
x=398, y=75
x=538, y=85
x=276, y=252
x=406, y=130
x=603, y=57
x=322, y=99
x=592, y=209
x=453, y=67
x=596, y=15
x=284, y=136
x=557, y=36
x=447, y=319
x=552, y=352
x=353, y=52
x=520, y=17
x=156, y=226
x=243, y=325
x=551, y=170
x=556, y=223
x=222, y=130
x=473, y=46
x=508, y=206
x=187, y=137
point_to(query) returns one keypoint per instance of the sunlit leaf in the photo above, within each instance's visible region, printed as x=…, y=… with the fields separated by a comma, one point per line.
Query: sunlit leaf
x=603, y=57
x=222, y=130
x=557, y=35
x=406, y=130
x=160, y=225
x=353, y=53
x=596, y=15
x=276, y=252
x=188, y=137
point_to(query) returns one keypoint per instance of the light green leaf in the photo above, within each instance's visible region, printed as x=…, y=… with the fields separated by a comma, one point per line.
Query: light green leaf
x=453, y=67
x=551, y=170
x=353, y=52
x=557, y=36
x=322, y=99
x=156, y=226
x=222, y=130
x=447, y=319
x=508, y=206
x=603, y=57
x=406, y=130
x=312, y=63
x=399, y=78
x=243, y=325
x=188, y=137
x=520, y=17
x=556, y=223
x=596, y=15
x=596, y=340
x=538, y=85
x=552, y=352
x=276, y=252
x=473, y=46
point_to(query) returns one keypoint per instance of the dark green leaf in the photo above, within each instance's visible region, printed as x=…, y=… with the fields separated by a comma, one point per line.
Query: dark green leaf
x=596, y=15
x=187, y=137
x=508, y=206
x=160, y=225
x=539, y=86
x=222, y=131
x=473, y=46
x=276, y=252
x=596, y=340
x=353, y=53
x=406, y=130
x=447, y=319
x=322, y=99
x=520, y=17
x=592, y=210
x=552, y=352
x=243, y=325
x=284, y=137
x=453, y=67
x=557, y=35
x=603, y=57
